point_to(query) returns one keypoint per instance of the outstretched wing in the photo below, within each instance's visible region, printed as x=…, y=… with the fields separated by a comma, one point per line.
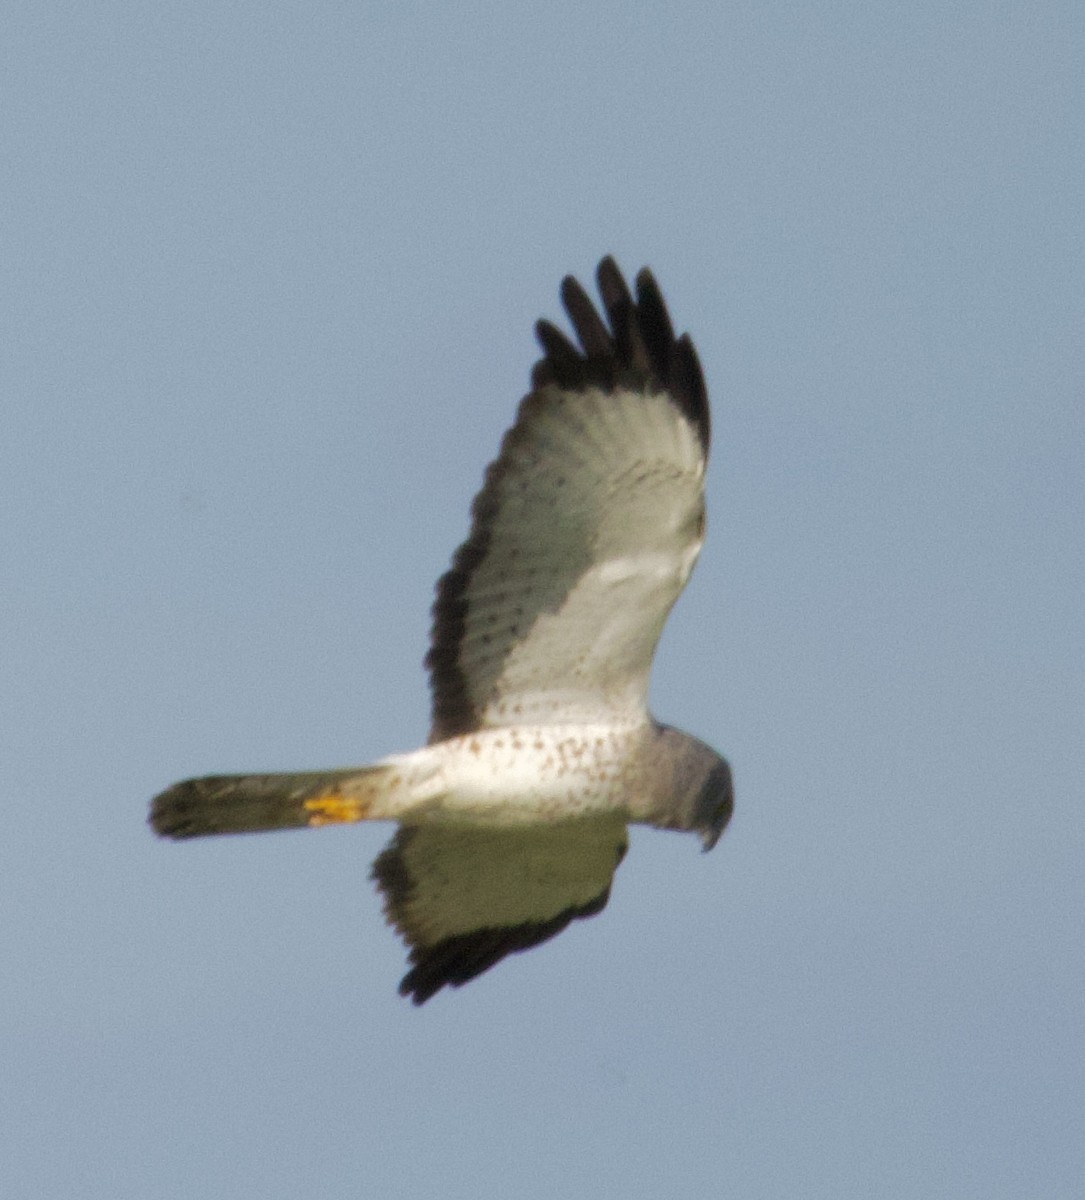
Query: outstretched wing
x=465, y=896
x=587, y=527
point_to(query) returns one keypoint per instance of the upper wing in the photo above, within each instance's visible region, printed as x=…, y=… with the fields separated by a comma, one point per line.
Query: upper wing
x=587, y=526
x=464, y=896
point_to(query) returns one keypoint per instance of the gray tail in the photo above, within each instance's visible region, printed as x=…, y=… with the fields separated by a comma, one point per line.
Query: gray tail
x=253, y=803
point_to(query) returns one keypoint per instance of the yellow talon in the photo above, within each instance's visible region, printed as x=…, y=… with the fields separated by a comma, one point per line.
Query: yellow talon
x=333, y=808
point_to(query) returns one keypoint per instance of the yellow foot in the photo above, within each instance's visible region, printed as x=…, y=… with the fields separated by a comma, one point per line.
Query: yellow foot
x=333, y=808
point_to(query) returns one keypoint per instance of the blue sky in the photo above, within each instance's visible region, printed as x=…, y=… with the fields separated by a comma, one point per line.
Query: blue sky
x=270, y=273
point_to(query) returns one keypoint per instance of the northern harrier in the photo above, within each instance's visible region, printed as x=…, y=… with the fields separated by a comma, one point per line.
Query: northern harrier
x=512, y=819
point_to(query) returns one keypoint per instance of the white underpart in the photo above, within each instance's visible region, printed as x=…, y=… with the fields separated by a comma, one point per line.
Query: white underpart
x=517, y=775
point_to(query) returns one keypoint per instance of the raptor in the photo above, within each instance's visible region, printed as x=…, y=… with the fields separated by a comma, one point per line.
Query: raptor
x=513, y=817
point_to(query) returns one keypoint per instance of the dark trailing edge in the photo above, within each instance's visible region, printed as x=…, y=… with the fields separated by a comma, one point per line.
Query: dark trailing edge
x=638, y=351
x=457, y=960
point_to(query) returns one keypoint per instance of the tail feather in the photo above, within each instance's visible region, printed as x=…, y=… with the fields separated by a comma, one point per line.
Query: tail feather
x=253, y=803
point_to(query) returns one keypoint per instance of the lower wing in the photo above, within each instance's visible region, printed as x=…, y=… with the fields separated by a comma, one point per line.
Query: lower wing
x=463, y=896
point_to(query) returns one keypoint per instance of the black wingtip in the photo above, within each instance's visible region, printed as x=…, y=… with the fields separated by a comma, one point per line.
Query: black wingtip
x=635, y=346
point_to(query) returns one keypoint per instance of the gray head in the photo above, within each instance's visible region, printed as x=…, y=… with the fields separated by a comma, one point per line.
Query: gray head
x=696, y=793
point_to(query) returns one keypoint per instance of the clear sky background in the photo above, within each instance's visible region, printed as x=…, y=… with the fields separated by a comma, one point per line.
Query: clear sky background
x=269, y=273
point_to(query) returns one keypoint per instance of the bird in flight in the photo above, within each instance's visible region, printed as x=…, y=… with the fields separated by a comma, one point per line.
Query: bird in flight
x=513, y=817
